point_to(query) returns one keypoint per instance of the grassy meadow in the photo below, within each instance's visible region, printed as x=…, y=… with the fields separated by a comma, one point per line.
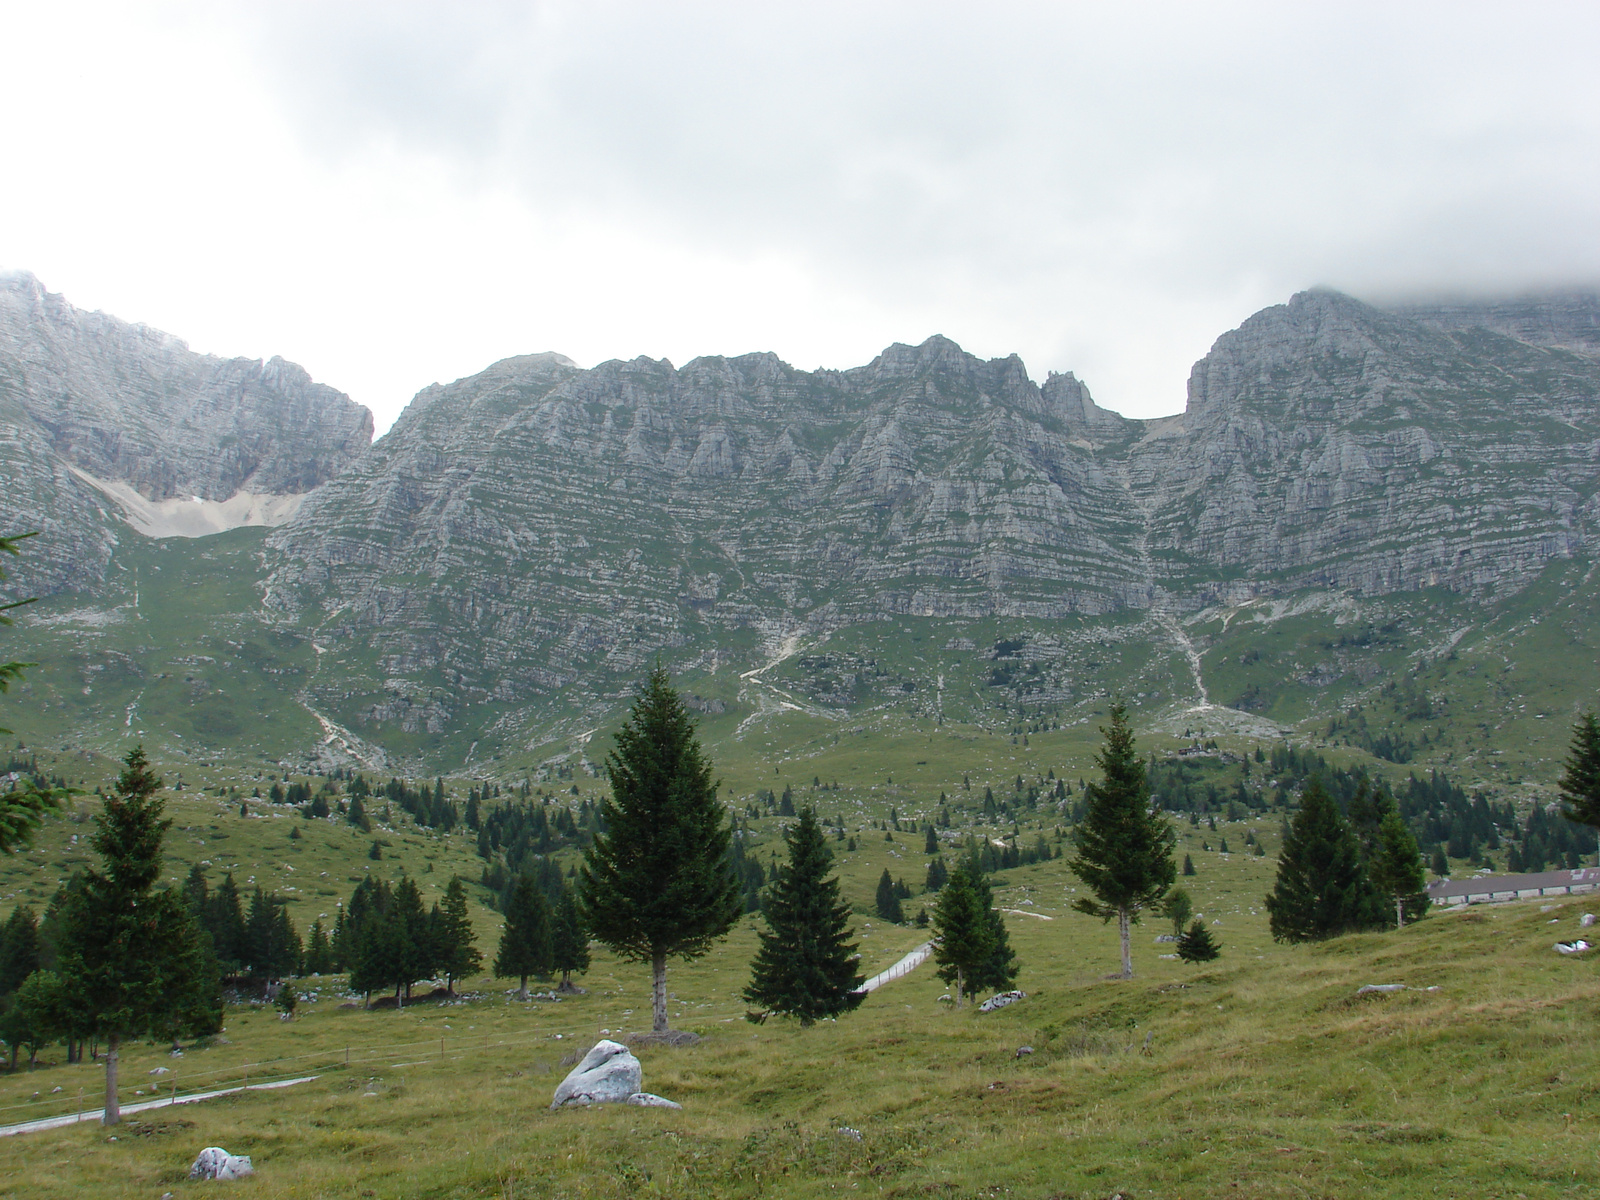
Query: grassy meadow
x=1260, y=1074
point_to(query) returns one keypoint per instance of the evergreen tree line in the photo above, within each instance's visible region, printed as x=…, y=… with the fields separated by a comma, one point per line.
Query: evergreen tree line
x=1339, y=872
x=385, y=938
x=500, y=881
x=512, y=831
x=122, y=958
x=258, y=942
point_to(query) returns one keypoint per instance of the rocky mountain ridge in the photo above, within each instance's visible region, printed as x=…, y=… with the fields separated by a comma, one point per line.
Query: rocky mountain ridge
x=537, y=522
x=87, y=401
x=531, y=535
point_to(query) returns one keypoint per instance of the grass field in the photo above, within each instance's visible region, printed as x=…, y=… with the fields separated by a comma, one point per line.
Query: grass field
x=1265, y=1075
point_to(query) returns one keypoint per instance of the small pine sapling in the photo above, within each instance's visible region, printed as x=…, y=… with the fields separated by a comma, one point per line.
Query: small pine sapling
x=1196, y=944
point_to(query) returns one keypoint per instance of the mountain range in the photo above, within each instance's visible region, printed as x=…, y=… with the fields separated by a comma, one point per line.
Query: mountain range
x=503, y=562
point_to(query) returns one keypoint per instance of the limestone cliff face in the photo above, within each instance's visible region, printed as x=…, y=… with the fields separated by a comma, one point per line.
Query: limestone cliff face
x=541, y=519
x=1327, y=443
x=530, y=524
x=82, y=392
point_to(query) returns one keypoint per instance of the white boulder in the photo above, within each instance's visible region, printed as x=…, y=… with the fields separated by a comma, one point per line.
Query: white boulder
x=216, y=1163
x=608, y=1074
x=1000, y=1001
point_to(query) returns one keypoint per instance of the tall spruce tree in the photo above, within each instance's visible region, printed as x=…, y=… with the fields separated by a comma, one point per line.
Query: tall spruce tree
x=1396, y=870
x=1124, y=846
x=963, y=939
x=999, y=970
x=455, y=945
x=1580, y=781
x=19, y=949
x=569, y=940
x=658, y=883
x=227, y=925
x=805, y=966
x=887, y=901
x=131, y=957
x=319, y=951
x=1321, y=889
x=526, y=947
x=415, y=960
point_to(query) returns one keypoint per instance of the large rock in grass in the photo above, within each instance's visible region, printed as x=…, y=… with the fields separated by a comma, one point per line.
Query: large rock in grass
x=216, y=1163
x=608, y=1074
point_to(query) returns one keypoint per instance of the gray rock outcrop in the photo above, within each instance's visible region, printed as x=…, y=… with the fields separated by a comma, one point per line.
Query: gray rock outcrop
x=85, y=397
x=216, y=1163
x=608, y=1074
x=523, y=532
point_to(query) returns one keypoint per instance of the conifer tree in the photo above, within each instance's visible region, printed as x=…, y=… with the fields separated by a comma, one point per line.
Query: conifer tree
x=930, y=843
x=1396, y=870
x=131, y=957
x=805, y=966
x=658, y=882
x=998, y=971
x=525, y=942
x=227, y=926
x=1580, y=781
x=963, y=937
x=411, y=919
x=19, y=949
x=888, y=900
x=1177, y=908
x=36, y=1016
x=1124, y=846
x=319, y=952
x=1196, y=944
x=1321, y=889
x=569, y=940
x=454, y=942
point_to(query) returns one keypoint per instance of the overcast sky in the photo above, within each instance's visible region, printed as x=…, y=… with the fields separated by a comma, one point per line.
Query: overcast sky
x=393, y=194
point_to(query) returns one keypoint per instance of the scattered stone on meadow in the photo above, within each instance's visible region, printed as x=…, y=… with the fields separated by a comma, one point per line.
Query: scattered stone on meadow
x=1577, y=947
x=1586, y=920
x=1001, y=1000
x=1166, y=956
x=1369, y=988
x=651, y=1100
x=608, y=1074
x=1021, y=1050
x=853, y=1134
x=1163, y=938
x=216, y=1163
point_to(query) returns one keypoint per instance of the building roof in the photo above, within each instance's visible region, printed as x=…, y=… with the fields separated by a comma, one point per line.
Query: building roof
x=1488, y=885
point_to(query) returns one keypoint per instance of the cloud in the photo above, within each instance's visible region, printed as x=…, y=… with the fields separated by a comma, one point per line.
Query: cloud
x=1104, y=189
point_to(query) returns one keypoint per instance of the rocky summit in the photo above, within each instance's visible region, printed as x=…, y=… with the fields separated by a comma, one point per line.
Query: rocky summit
x=103, y=419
